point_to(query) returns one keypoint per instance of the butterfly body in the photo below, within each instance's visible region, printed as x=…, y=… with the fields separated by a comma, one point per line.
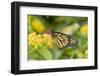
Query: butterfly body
x=63, y=40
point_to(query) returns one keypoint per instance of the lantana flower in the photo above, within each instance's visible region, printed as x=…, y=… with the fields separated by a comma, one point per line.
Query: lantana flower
x=84, y=30
x=38, y=40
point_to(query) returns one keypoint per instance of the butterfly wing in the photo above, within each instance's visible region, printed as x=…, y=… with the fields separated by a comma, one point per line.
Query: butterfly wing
x=61, y=39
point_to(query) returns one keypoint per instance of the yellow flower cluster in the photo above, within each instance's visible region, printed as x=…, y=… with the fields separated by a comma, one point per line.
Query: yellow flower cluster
x=84, y=29
x=38, y=26
x=40, y=40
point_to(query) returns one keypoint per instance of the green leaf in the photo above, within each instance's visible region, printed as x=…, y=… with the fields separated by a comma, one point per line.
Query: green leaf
x=35, y=56
x=41, y=53
x=44, y=52
x=56, y=52
x=31, y=49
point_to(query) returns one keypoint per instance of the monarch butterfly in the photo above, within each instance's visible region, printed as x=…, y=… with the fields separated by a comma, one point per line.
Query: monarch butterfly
x=63, y=40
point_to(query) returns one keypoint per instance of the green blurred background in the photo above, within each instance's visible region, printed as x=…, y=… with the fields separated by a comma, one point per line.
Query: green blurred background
x=41, y=45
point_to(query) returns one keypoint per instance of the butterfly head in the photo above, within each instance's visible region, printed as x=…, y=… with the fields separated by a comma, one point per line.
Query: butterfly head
x=48, y=31
x=53, y=34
